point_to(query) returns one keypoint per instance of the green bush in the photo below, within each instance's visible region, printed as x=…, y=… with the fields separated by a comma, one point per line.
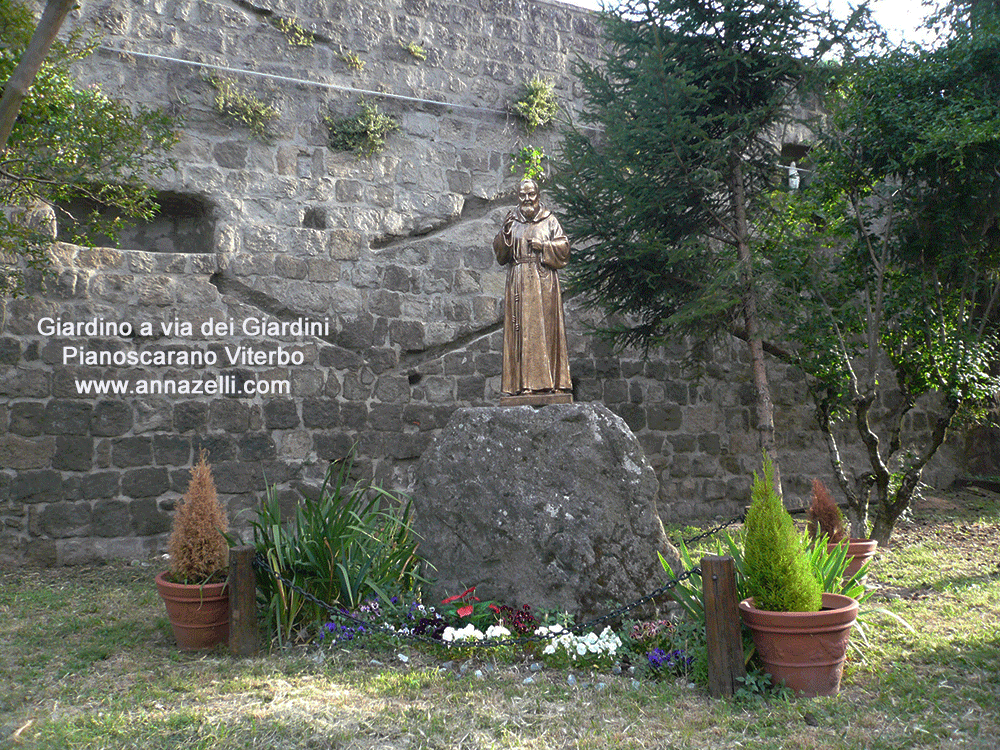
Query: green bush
x=350, y=543
x=536, y=104
x=365, y=133
x=779, y=573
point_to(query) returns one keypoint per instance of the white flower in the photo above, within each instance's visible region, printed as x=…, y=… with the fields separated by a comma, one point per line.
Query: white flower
x=497, y=631
x=549, y=630
x=581, y=648
x=468, y=633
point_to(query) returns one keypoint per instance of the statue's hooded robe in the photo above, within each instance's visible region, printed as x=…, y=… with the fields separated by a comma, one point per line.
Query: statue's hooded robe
x=534, y=333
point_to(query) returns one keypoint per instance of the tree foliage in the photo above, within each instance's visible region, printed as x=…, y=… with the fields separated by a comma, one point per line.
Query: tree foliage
x=889, y=255
x=662, y=205
x=893, y=256
x=70, y=143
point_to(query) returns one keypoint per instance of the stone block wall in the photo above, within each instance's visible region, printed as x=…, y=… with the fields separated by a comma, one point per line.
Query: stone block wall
x=386, y=261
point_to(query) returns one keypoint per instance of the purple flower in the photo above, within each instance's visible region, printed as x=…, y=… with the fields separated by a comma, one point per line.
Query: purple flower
x=341, y=633
x=675, y=661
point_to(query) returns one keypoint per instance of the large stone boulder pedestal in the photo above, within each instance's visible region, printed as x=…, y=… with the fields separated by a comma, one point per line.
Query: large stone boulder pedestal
x=553, y=507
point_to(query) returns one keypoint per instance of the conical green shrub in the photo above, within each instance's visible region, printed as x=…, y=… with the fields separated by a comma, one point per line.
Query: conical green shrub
x=779, y=573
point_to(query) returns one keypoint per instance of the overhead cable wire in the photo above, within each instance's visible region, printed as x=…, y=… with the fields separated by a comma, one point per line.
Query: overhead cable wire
x=318, y=84
x=305, y=82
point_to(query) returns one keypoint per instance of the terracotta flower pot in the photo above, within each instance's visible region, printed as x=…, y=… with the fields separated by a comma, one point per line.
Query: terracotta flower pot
x=199, y=615
x=859, y=551
x=806, y=650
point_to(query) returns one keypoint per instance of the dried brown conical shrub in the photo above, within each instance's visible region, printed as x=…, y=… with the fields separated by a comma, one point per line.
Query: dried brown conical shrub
x=198, y=549
x=824, y=516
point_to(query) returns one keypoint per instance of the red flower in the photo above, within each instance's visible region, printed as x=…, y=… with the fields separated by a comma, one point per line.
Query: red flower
x=468, y=596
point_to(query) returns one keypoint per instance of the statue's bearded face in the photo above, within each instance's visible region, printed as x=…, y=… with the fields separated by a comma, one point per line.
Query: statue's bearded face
x=527, y=196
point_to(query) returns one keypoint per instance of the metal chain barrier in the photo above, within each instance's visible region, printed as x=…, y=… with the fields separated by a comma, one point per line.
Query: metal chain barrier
x=339, y=612
x=712, y=532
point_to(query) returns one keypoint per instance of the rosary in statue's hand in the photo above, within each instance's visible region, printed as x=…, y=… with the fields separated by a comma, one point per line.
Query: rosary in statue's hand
x=508, y=222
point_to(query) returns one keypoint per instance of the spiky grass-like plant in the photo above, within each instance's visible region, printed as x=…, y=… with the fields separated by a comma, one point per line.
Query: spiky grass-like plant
x=780, y=576
x=198, y=549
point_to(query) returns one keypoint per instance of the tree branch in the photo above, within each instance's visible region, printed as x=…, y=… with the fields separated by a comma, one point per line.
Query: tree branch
x=31, y=61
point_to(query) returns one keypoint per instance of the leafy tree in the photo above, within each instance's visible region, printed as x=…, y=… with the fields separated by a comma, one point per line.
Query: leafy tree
x=66, y=144
x=893, y=257
x=664, y=203
x=32, y=59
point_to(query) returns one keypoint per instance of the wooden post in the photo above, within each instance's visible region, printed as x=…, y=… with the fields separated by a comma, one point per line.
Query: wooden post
x=722, y=625
x=244, y=636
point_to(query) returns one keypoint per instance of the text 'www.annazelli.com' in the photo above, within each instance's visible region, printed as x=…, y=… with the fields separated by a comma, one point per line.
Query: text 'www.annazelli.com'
x=220, y=385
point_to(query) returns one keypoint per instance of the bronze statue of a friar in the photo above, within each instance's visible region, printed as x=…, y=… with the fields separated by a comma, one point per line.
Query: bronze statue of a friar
x=533, y=246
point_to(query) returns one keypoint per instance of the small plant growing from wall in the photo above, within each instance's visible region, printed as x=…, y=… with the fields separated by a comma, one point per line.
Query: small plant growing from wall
x=414, y=49
x=244, y=108
x=365, y=133
x=352, y=60
x=528, y=162
x=296, y=35
x=537, y=104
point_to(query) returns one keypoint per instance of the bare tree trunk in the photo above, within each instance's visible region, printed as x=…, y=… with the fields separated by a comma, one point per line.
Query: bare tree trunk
x=891, y=508
x=857, y=495
x=34, y=55
x=758, y=367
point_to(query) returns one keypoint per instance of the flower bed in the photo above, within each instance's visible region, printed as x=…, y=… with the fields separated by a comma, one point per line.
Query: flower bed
x=463, y=626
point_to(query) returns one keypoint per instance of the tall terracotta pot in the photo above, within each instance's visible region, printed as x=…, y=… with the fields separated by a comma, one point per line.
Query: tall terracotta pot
x=199, y=615
x=806, y=650
x=859, y=551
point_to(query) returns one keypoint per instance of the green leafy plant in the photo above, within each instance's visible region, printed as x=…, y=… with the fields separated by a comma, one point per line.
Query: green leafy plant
x=689, y=593
x=296, y=35
x=756, y=687
x=351, y=542
x=414, y=49
x=829, y=564
x=528, y=162
x=243, y=107
x=199, y=552
x=365, y=133
x=536, y=104
x=779, y=574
